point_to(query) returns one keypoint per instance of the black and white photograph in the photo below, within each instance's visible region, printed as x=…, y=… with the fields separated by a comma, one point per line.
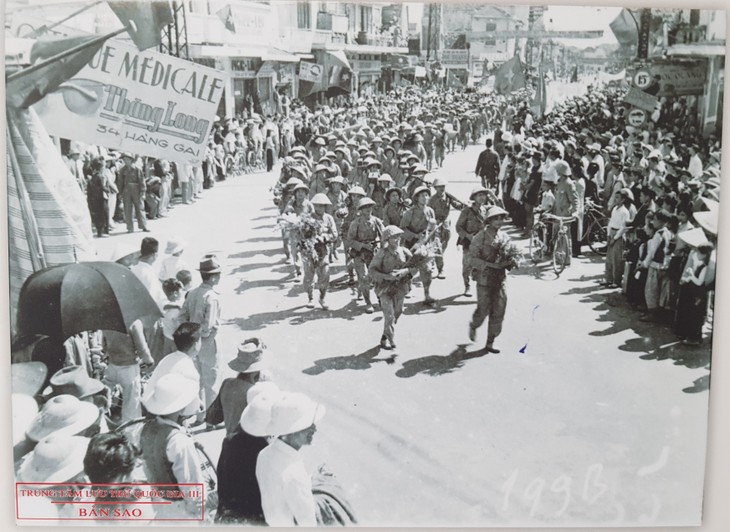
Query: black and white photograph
x=301, y=263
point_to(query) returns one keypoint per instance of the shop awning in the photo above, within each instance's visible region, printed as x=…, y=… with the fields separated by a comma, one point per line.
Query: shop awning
x=266, y=53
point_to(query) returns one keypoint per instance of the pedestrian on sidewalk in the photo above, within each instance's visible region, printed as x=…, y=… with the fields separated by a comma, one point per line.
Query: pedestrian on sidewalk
x=487, y=168
x=289, y=419
x=617, y=227
x=132, y=187
x=656, y=263
x=692, y=301
x=491, y=277
x=238, y=491
x=202, y=306
x=97, y=191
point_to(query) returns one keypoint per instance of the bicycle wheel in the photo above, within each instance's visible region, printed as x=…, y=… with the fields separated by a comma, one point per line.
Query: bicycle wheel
x=598, y=236
x=561, y=253
x=537, y=247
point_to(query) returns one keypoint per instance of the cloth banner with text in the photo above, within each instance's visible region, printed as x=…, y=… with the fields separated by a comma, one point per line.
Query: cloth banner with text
x=146, y=103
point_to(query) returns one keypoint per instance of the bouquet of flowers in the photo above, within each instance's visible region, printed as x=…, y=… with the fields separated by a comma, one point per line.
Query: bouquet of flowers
x=312, y=243
x=507, y=252
x=341, y=213
x=422, y=254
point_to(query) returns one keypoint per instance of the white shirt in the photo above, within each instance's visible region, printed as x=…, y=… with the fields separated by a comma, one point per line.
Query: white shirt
x=148, y=276
x=620, y=216
x=695, y=166
x=286, y=488
x=171, y=265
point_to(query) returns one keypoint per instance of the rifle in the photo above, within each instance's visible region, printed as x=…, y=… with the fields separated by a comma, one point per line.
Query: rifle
x=427, y=236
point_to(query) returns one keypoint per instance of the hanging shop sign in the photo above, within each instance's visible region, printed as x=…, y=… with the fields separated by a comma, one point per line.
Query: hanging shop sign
x=310, y=72
x=641, y=99
x=145, y=103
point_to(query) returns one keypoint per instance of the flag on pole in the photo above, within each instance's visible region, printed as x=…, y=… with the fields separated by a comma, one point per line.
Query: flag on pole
x=226, y=16
x=144, y=20
x=625, y=28
x=509, y=77
x=54, y=62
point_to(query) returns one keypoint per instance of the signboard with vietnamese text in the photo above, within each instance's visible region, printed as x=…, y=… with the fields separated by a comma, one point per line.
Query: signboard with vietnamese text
x=454, y=58
x=310, y=72
x=145, y=103
x=680, y=78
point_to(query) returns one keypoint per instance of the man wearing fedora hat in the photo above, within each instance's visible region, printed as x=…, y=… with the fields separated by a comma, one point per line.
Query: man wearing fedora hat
x=363, y=237
x=491, y=278
x=202, y=306
x=471, y=221
x=416, y=224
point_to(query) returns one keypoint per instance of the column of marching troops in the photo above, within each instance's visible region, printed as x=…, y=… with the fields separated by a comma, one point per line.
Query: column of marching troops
x=356, y=181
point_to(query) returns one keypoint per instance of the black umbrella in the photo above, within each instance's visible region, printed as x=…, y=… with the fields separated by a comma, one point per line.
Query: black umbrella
x=65, y=300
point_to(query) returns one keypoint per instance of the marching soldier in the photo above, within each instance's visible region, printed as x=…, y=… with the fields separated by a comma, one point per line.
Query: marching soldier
x=491, y=279
x=394, y=206
x=441, y=205
x=354, y=195
x=417, y=222
x=300, y=206
x=392, y=281
x=470, y=222
x=362, y=239
x=316, y=258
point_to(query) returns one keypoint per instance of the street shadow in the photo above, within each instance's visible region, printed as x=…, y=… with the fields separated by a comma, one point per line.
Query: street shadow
x=255, y=266
x=279, y=283
x=435, y=365
x=700, y=385
x=272, y=238
x=296, y=315
x=541, y=271
x=417, y=306
x=651, y=340
x=267, y=226
x=456, y=300
x=362, y=361
x=259, y=218
x=253, y=252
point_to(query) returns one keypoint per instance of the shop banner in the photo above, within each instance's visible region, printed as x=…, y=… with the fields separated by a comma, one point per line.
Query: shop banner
x=145, y=103
x=310, y=72
x=641, y=99
x=680, y=78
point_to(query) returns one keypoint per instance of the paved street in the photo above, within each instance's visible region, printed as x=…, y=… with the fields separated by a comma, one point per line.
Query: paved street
x=586, y=416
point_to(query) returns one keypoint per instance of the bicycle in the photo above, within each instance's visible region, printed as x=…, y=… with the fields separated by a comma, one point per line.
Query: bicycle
x=538, y=245
x=595, y=232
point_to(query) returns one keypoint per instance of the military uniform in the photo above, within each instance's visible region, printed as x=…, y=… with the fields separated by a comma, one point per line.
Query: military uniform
x=385, y=262
x=470, y=222
x=416, y=221
x=318, y=264
x=300, y=209
x=392, y=213
x=491, y=283
x=363, y=231
x=132, y=187
x=441, y=205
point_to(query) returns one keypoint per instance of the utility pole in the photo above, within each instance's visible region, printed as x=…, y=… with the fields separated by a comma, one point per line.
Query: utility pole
x=428, y=46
